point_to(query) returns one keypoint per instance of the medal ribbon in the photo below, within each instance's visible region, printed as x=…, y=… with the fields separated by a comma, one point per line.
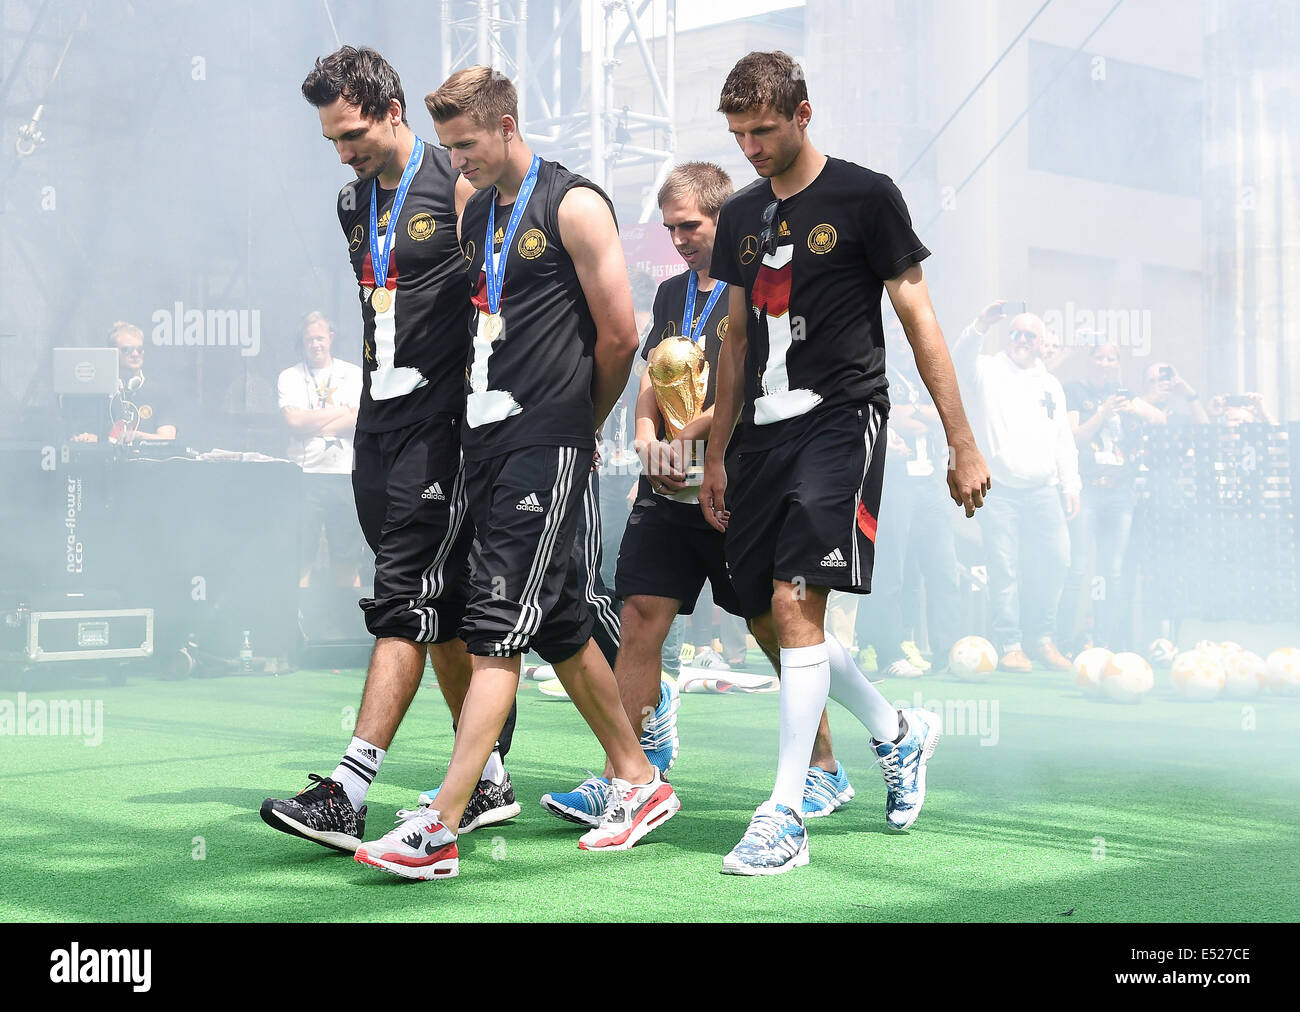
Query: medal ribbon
x=377, y=261
x=496, y=269
x=692, y=287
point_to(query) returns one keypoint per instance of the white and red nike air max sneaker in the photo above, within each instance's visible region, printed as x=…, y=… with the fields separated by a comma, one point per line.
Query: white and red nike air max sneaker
x=634, y=810
x=420, y=847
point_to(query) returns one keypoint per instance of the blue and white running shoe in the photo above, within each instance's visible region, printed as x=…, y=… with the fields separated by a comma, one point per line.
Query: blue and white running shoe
x=903, y=766
x=775, y=841
x=825, y=792
x=585, y=804
x=659, y=731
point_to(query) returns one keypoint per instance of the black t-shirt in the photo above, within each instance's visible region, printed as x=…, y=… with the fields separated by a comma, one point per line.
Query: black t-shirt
x=531, y=386
x=1112, y=451
x=669, y=311
x=413, y=355
x=816, y=341
x=155, y=407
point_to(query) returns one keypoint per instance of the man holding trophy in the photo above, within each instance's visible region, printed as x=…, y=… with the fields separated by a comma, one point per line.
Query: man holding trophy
x=668, y=549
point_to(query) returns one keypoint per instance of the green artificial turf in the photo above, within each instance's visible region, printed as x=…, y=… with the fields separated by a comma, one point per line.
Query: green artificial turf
x=1163, y=811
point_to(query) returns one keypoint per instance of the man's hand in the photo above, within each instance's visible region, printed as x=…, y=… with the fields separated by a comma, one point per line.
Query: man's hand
x=713, y=491
x=1181, y=387
x=897, y=446
x=85, y=437
x=1112, y=404
x=991, y=314
x=662, y=463
x=1071, y=506
x=968, y=478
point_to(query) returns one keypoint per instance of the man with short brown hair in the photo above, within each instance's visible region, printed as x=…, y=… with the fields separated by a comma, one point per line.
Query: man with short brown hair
x=808, y=249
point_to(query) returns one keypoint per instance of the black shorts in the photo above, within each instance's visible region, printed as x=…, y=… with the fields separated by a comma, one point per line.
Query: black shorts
x=805, y=510
x=329, y=504
x=667, y=552
x=588, y=548
x=410, y=495
x=526, y=579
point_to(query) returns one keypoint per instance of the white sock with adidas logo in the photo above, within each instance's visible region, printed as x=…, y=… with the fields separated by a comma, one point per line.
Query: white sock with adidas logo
x=357, y=769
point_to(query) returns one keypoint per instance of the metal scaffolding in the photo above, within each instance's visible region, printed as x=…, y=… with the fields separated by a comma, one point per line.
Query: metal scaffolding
x=538, y=44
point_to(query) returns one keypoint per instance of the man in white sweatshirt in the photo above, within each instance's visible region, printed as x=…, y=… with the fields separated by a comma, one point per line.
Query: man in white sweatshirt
x=1020, y=417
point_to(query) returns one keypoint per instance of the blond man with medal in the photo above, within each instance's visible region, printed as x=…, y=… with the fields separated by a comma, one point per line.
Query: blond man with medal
x=398, y=218
x=667, y=551
x=549, y=312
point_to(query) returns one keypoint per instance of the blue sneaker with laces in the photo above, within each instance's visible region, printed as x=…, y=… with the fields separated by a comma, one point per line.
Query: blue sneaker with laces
x=903, y=765
x=775, y=841
x=585, y=804
x=825, y=792
x=659, y=730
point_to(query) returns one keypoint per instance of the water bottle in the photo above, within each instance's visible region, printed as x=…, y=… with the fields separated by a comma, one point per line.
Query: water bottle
x=246, y=653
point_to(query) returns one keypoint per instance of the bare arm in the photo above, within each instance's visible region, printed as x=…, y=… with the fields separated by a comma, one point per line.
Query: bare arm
x=903, y=420
x=662, y=463
x=1067, y=465
x=1083, y=432
x=648, y=419
x=1147, y=412
x=966, y=349
x=344, y=425
x=164, y=432
x=728, y=399
x=588, y=232
x=968, y=474
x=310, y=423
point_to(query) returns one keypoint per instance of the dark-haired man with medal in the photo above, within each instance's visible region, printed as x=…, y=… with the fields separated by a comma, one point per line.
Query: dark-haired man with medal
x=549, y=313
x=399, y=219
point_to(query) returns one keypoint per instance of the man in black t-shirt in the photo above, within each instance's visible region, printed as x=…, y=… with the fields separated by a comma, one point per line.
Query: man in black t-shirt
x=808, y=249
x=399, y=220
x=143, y=411
x=549, y=315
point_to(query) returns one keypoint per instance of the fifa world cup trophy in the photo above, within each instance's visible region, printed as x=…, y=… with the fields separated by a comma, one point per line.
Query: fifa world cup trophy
x=680, y=377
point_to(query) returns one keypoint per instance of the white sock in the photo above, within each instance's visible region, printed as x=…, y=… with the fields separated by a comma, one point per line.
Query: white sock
x=854, y=691
x=357, y=769
x=805, y=682
x=495, y=770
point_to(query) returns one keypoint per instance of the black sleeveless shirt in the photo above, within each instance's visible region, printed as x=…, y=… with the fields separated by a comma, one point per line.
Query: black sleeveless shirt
x=531, y=386
x=413, y=355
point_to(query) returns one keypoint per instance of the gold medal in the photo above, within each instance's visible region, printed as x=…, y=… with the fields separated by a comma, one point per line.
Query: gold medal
x=493, y=325
x=381, y=299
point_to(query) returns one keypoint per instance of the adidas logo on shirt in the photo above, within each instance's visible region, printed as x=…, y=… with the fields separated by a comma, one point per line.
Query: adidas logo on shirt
x=434, y=491
x=529, y=504
x=835, y=560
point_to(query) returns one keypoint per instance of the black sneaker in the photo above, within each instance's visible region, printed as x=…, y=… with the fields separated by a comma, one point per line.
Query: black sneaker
x=488, y=804
x=321, y=813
